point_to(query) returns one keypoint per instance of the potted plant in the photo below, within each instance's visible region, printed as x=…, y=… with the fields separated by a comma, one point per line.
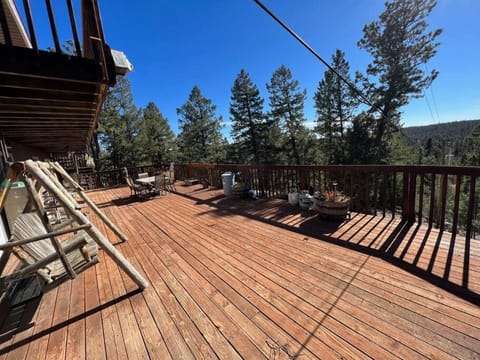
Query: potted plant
x=332, y=203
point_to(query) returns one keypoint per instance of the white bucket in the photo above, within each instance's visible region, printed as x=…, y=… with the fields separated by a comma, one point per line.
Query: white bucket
x=304, y=199
x=293, y=197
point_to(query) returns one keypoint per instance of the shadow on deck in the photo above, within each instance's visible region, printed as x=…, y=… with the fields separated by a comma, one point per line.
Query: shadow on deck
x=233, y=278
x=441, y=258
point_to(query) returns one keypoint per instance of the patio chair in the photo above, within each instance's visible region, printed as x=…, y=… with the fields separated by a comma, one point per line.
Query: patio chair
x=136, y=189
x=160, y=184
x=170, y=180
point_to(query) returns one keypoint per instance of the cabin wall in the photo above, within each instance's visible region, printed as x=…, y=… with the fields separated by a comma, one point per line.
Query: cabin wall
x=22, y=152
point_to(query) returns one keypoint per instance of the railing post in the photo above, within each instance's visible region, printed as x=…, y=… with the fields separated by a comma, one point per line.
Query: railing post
x=408, y=195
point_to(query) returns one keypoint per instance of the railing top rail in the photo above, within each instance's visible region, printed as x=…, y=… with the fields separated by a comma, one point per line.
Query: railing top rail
x=419, y=169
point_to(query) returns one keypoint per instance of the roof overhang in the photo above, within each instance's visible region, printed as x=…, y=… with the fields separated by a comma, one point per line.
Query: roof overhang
x=47, y=100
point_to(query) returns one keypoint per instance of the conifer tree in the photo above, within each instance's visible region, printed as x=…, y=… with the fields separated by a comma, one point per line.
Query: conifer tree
x=400, y=44
x=273, y=142
x=156, y=140
x=287, y=104
x=248, y=120
x=200, y=139
x=118, y=125
x=334, y=104
x=472, y=146
x=359, y=140
x=471, y=158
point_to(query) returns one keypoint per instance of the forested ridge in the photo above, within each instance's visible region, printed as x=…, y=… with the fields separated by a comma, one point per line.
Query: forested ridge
x=450, y=132
x=453, y=143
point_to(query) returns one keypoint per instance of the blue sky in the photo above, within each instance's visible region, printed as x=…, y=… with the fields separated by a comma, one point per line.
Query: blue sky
x=176, y=44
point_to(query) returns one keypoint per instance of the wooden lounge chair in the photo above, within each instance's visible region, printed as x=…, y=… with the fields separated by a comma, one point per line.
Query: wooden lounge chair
x=60, y=252
x=34, y=245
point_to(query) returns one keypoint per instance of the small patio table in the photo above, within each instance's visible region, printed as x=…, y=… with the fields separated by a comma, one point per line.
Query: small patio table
x=149, y=181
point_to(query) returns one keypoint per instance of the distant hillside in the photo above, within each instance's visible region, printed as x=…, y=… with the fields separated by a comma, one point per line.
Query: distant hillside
x=448, y=132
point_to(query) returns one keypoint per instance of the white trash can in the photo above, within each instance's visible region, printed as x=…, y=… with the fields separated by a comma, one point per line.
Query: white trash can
x=293, y=197
x=228, y=179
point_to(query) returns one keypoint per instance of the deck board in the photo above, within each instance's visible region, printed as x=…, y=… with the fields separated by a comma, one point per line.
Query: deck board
x=95, y=346
x=237, y=264
x=260, y=279
x=57, y=339
x=76, y=341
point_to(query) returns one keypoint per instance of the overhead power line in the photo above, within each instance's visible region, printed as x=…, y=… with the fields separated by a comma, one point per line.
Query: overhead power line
x=314, y=53
x=433, y=96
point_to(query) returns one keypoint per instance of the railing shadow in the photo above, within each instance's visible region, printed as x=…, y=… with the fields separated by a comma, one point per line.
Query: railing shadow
x=385, y=238
x=12, y=327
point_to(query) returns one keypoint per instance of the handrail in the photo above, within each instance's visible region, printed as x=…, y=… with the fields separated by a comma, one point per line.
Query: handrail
x=445, y=197
x=93, y=42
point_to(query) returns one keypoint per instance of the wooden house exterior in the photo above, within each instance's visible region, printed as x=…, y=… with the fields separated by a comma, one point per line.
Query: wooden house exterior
x=49, y=100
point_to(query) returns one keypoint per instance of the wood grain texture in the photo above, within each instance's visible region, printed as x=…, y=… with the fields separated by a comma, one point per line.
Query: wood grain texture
x=261, y=279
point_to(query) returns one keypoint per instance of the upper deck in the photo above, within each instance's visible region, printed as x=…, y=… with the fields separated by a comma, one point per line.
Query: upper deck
x=49, y=99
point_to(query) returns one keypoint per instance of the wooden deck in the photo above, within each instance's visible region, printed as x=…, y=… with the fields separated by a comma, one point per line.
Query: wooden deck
x=258, y=279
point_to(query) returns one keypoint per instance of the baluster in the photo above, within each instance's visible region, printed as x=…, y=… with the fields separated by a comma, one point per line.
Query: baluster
x=53, y=27
x=73, y=24
x=31, y=28
x=375, y=190
x=384, y=193
x=443, y=201
x=394, y=194
x=456, y=203
x=432, y=201
x=468, y=232
x=367, y=191
x=420, y=198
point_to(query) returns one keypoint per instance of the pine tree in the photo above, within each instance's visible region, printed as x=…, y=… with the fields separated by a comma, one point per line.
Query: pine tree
x=359, y=140
x=156, y=140
x=118, y=125
x=471, y=158
x=248, y=120
x=273, y=142
x=472, y=147
x=200, y=138
x=286, y=104
x=400, y=46
x=334, y=104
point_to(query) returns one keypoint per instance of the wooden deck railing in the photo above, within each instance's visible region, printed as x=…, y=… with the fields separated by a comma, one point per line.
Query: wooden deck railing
x=445, y=197
x=92, y=46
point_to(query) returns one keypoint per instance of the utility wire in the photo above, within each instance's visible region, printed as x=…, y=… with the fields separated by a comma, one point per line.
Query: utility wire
x=309, y=48
x=433, y=96
x=429, y=107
